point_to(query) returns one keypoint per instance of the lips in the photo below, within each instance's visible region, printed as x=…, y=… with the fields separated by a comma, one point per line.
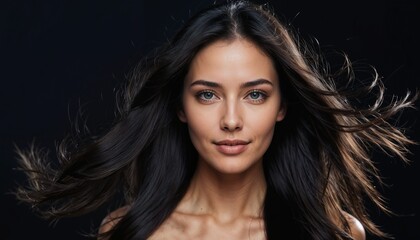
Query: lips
x=231, y=147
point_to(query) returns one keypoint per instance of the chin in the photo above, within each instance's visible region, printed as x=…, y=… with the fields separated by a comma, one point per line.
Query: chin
x=233, y=166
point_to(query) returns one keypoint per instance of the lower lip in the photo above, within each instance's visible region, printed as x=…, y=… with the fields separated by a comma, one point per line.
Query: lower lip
x=231, y=150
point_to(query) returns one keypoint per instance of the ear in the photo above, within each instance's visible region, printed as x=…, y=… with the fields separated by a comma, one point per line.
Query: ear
x=282, y=112
x=181, y=116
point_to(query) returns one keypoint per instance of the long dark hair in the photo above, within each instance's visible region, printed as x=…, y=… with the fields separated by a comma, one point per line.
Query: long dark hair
x=317, y=166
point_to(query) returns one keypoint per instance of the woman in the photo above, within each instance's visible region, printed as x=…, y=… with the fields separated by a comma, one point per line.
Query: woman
x=228, y=131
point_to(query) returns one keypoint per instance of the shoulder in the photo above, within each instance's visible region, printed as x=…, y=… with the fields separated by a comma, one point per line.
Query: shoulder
x=177, y=226
x=356, y=227
x=112, y=219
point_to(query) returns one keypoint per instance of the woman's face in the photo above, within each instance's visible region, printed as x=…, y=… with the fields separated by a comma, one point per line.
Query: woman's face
x=231, y=102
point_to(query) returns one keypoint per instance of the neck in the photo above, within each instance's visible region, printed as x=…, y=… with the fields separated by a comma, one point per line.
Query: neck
x=225, y=197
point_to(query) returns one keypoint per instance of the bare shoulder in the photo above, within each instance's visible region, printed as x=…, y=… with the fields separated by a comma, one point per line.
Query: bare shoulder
x=112, y=219
x=175, y=227
x=356, y=227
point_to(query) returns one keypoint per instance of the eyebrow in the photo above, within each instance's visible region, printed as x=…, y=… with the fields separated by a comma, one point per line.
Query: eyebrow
x=253, y=83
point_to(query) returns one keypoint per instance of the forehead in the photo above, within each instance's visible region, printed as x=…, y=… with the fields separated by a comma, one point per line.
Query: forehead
x=231, y=61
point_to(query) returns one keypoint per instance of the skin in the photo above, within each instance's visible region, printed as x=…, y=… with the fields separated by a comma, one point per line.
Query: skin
x=230, y=92
x=227, y=191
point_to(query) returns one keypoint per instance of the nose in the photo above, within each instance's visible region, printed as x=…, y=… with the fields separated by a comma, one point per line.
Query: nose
x=231, y=118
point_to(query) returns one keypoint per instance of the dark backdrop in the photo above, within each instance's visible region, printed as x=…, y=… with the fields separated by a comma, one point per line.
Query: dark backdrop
x=57, y=56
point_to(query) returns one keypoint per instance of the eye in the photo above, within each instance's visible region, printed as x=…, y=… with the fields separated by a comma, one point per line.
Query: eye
x=206, y=96
x=257, y=96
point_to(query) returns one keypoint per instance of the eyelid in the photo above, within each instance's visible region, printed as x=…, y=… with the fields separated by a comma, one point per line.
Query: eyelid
x=206, y=90
x=263, y=93
x=257, y=91
x=197, y=95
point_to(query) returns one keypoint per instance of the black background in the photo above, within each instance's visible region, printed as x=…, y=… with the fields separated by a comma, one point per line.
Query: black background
x=59, y=55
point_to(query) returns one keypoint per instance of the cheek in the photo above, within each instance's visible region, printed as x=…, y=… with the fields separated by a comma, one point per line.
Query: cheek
x=200, y=121
x=261, y=123
x=200, y=130
x=197, y=125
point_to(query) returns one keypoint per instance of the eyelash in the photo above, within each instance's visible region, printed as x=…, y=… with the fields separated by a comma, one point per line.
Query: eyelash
x=263, y=95
x=199, y=95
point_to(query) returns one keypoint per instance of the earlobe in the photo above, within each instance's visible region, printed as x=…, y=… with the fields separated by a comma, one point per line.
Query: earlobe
x=282, y=113
x=181, y=116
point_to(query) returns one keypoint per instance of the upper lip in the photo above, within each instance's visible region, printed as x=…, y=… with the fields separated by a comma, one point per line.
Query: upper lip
x=232, y=142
